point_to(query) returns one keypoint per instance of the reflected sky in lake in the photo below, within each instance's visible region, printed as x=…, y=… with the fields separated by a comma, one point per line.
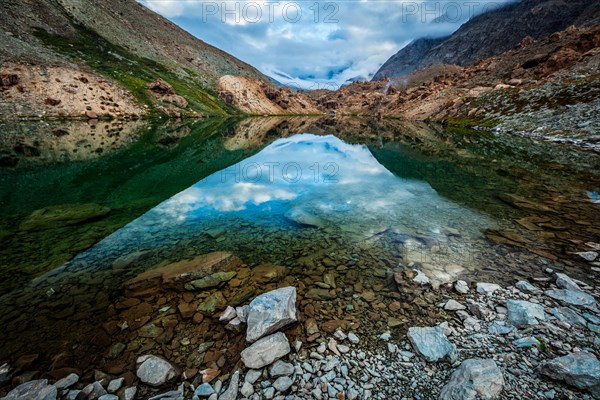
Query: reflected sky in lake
x=314, y=181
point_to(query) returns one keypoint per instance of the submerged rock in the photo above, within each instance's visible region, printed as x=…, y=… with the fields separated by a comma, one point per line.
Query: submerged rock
x=474, y=379
x=63, y=215
x=177, y=275
x=154, y=370
x=210, y=281
x=33, y=390
x=270, y=312
x=431, y=342
x=265, y=351
x=522, y=313
x=303, y=217
x=581, y=370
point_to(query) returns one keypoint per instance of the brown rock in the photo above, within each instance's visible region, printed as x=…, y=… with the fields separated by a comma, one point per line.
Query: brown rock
x=91, y=115
x=7, y=80
x=52, y=102
x=176, y=275
x=266, y=273
x=25, y=361
x=179, y=101
x=186, y=310
x=198, y=318
x=209, y=374
x=161, y=87
x=334, y=325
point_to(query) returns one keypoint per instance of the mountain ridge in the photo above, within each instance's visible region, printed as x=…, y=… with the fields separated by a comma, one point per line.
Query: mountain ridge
x=493, y=33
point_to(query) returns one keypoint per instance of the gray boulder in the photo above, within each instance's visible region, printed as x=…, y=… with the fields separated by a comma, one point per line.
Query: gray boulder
x=431, y=342
x=33, y=390
x=270, y=312
x=581, y=370
x=524, y=313
x=265, y=351
x=474, y=379
x=154, y=370
x=573, y=297
x=565, y=282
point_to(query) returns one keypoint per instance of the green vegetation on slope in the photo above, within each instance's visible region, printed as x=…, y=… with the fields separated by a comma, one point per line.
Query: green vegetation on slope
x=135, y=73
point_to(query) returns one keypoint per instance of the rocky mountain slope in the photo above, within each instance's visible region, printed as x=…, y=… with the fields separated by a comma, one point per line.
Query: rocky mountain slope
x=492, y=33
x=115, y=40
x=529, y=88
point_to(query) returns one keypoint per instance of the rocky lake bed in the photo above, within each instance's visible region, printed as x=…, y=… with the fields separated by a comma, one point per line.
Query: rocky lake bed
x=471, y=279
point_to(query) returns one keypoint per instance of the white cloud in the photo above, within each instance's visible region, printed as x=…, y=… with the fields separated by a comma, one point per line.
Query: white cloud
x=340, y=41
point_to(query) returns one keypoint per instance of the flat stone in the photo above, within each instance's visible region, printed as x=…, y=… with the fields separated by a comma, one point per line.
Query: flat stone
x=431, y=342
x=62, y=215
x=210, y=281
x=176, y=275
x=266, y=351
x=266, y=273
x=565, y=314
x=498, y=328
x=588, y=255
x=573, y=297
x=474, y=379
x=33, y=390
x=212, y=304
x=522, y=313
x=581, y=370
x=526, y=342
x=67, y=382
x=108, y=397
x=487, y=288
x=270, y=312
x=527, y=287
x=154, y=370
x=453, y=305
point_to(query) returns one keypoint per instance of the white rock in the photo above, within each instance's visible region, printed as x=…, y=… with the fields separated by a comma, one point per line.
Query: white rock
x=474, y=379
x=270, y=312
x=228, y=314
x=461, y=287
x=154, y=370
x=265, y=351
x=487, y=288
x=421, y=278
x=453, y=305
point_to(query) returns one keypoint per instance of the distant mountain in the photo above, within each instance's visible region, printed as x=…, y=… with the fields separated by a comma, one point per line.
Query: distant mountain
x=492, y=33
x=120, y=39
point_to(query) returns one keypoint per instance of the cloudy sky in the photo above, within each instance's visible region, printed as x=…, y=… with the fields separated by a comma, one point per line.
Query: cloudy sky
x=317, y=44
